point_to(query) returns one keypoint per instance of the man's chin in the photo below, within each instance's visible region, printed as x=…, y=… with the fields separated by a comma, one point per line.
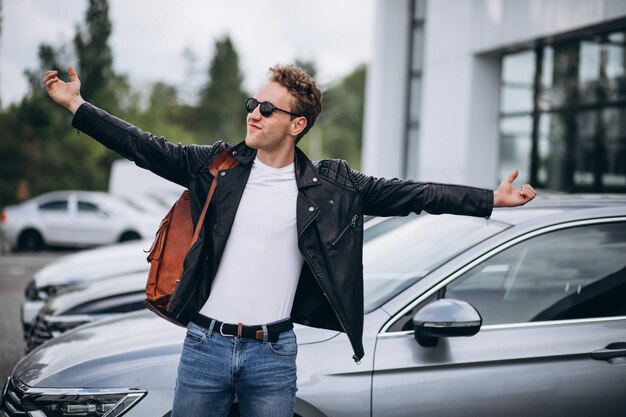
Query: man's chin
x=251, y=143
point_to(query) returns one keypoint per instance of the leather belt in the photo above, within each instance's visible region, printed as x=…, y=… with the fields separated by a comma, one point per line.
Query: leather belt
x=247, y=332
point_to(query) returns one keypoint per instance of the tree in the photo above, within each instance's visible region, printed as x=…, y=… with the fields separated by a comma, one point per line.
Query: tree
x=165, y=115
x=189, y=88
x=25, y=156
x=307, y=66
x=49, y=59
x=340, y=125
x=313, y=143
x=39, y=151
x=0, y=37
x=95, y=59
x=221, y=112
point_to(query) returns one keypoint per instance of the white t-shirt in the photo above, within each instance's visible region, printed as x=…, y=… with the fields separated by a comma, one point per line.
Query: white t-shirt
x=258, y=275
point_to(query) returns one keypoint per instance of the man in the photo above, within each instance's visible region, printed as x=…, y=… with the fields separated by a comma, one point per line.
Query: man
x=282, y=241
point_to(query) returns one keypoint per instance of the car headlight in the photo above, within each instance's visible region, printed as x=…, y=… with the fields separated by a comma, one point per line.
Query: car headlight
x=33, y=293
x=66, y=402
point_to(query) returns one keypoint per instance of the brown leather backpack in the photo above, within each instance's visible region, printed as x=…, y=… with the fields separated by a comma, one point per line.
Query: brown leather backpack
x=173, y=240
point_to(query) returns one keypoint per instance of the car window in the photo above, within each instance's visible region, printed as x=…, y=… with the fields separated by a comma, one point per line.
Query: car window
x=413, y=248
x=123, y=204
x=130, y=202
x=86, y=207
x=55, y=205
x=574, y=273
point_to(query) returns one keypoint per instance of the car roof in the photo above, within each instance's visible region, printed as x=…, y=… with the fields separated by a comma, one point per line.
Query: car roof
x=552, y=203
x=101, y=197
x=66, y=193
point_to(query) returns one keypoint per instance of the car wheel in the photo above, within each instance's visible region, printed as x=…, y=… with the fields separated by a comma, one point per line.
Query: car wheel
x=30, y=240
x=126, y=236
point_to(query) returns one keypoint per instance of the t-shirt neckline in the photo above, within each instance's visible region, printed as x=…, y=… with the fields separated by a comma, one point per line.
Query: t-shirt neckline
x=260, y=164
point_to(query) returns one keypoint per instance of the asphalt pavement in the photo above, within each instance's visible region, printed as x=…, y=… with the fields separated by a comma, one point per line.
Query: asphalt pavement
x=15, y=271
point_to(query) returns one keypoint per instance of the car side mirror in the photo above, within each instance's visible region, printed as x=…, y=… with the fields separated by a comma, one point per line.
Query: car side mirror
x=446, y=317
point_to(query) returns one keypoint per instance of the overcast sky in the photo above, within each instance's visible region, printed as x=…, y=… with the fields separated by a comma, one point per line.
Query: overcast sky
x=149, y=36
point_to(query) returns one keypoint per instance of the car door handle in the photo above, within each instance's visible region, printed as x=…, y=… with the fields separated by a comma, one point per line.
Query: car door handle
x=612, y=350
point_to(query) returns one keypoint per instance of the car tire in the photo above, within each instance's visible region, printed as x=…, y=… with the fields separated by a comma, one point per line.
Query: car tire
x=129, y=235
x=30, y=240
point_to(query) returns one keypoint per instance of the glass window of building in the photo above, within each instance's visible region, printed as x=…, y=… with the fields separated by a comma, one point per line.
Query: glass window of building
x=562, y=112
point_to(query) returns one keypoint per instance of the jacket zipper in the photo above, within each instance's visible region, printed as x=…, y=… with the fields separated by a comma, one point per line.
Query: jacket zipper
x=332, y=305
x=321, y=283
x=336, y=241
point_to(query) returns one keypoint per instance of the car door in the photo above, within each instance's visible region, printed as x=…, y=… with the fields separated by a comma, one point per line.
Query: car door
x=56, y=220
x=553, y=340
x=95, y=224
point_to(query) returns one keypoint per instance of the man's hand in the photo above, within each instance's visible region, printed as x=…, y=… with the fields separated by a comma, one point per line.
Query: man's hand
x=507, y=196
x=64, y=94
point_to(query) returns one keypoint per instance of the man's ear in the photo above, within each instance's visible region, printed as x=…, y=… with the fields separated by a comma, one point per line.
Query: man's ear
x=297, y=126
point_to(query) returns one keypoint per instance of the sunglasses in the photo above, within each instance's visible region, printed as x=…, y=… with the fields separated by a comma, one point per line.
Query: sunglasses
x=266, y=108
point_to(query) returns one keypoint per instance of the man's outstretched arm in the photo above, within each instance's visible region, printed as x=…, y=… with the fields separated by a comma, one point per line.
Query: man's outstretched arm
x=174, y=162
x=64, y=94
x=394, y=197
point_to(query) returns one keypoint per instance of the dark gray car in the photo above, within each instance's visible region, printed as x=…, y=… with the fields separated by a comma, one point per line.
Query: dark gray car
x=542, y=290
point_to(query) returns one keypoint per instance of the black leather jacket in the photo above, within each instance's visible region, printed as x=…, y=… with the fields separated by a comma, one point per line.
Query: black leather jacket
x=332, y=199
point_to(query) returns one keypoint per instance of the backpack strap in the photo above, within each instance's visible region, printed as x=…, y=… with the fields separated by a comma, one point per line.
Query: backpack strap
x=224, y=161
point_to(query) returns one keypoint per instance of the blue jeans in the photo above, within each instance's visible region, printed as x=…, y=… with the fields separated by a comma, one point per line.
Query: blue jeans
x=214, y=368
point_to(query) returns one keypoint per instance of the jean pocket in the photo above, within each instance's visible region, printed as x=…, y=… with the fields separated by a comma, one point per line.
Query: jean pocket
x=285, y=346
x=195, y=335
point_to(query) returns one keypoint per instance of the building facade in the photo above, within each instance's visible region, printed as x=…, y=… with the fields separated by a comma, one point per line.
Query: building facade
x=464, y=91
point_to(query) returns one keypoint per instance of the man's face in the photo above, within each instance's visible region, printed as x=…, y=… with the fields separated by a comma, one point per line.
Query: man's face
x=271, y=133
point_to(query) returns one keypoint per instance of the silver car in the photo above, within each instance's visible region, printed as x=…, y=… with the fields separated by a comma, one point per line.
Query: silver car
x=75, y=219
x=76, y=269
x=522, y=314
x=87, y=302
x=100, y=281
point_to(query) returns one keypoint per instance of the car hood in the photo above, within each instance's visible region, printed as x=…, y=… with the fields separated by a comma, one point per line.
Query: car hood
x=96, y=290
x=111, y=352
x=94, y=264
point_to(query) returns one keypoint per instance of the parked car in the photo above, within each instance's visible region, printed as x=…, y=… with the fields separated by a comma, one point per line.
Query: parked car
x=76, y=272
x=101, y=283
x=87, y=302
x=75, y=219
x=541, y=290
x=73, y=270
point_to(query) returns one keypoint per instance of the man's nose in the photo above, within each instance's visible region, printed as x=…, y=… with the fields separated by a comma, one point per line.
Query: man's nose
x=255, y=114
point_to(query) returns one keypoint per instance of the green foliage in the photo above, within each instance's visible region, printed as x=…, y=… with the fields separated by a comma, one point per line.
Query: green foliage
x=307, y=66
x=95, y=59
x=1, y=32
x=221, y=113
x=40, y=152
x=166, y=116
x=339, y=128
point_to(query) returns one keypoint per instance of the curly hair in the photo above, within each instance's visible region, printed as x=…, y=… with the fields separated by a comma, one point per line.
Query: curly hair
x=302, y=87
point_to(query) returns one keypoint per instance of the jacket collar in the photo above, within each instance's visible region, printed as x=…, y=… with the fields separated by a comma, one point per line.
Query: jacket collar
x=242, y=153
x=306, y=174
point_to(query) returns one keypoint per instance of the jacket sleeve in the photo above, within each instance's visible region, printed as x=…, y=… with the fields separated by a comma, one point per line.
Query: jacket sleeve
x=174, y=162
x=394, y=197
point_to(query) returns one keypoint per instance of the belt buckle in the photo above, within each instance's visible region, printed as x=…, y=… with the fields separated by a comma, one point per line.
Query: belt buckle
x=222, y=332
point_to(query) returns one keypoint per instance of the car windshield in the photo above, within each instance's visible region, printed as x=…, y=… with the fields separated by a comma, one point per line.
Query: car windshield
x=412, y=247
x=124, y=203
